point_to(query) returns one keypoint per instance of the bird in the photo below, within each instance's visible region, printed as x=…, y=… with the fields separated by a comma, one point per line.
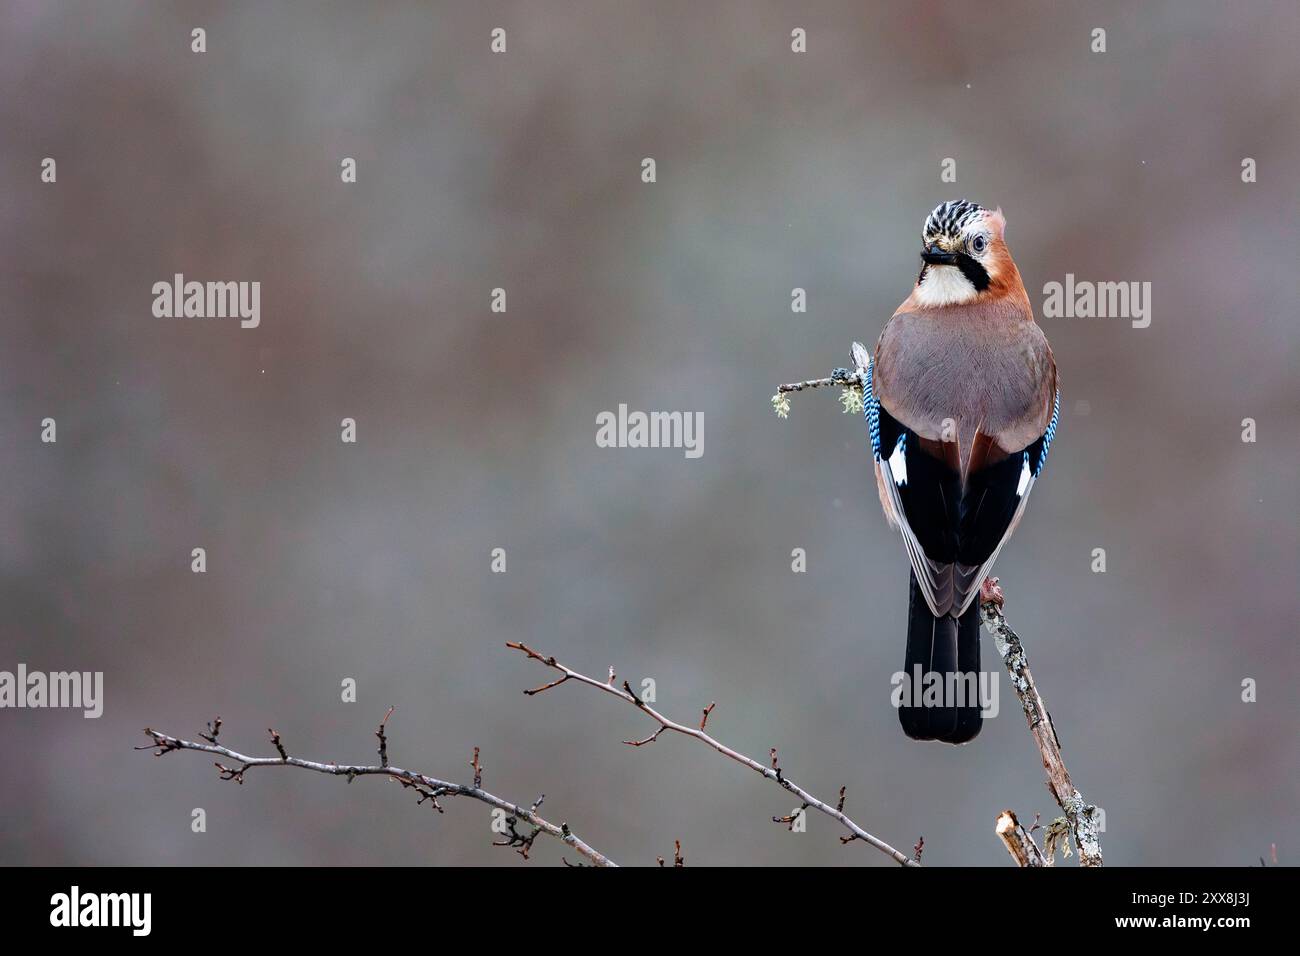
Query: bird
x=961, y=400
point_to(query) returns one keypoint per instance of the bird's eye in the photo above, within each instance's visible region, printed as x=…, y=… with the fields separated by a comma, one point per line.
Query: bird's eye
x=979, y=244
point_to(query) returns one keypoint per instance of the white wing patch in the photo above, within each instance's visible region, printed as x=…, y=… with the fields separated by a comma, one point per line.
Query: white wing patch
x=898, y=461
x=1025, y=478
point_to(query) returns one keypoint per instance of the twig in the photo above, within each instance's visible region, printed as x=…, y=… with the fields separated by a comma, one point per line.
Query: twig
x=838, y=377
x=704, y=718
x=1020, y=844
x=429, y=788
x=383, y=741
x=771, y=773
x=678, y=859
x=522, y=842
x=214, y=728
x=793, y=818
x=1080, y=815
x=275, y=742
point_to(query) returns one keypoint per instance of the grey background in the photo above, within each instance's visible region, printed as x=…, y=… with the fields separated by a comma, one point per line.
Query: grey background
x=476, y=430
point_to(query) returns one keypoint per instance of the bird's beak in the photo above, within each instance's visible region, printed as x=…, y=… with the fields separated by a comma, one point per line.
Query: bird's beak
x=937, y=257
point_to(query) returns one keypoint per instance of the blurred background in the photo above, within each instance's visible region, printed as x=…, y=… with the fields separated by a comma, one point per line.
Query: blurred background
x=476, y=430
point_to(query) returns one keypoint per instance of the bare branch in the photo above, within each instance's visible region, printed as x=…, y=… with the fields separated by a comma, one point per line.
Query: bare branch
x=383, y=741
x=275, y=742
x=554, y=683
x=230, y=773
x=1020, y=844
x=841, y=377
x=429, y=788
x=793, y=818
x=1080, y=815
x=522, y=842
x=648, y=740
x=770, y=773
x=704, y=718
x=214, y=728
x=478, y=773
x=678, y=859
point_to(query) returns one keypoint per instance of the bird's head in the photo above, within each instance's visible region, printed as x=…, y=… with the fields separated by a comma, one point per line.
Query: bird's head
x=964, y=256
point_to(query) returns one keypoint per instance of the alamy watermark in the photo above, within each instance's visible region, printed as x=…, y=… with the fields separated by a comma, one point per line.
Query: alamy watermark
x=179, y=299
x=936, y=689
x=1102, y=300
x=75, y=908
x=76, y=689
x=651, y=430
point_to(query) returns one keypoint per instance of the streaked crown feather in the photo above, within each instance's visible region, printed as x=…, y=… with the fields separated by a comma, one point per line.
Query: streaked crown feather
x=949, y=219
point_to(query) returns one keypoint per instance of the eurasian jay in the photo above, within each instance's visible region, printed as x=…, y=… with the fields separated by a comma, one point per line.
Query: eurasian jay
x=961, y=403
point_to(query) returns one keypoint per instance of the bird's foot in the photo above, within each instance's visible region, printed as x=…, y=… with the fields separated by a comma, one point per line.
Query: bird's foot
x=991, y=592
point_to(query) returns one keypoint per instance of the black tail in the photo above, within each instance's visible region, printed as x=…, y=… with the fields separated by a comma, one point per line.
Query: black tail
x=948, y=646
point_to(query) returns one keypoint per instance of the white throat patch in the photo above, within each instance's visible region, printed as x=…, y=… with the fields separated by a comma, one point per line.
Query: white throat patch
x=944, y=285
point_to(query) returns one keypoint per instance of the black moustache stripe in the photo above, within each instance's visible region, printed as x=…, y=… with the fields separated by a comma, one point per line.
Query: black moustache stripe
x=972, y=270
x=975, y=273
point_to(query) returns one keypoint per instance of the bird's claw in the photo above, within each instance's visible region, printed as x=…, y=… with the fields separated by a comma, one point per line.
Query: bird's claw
x=991, y=592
